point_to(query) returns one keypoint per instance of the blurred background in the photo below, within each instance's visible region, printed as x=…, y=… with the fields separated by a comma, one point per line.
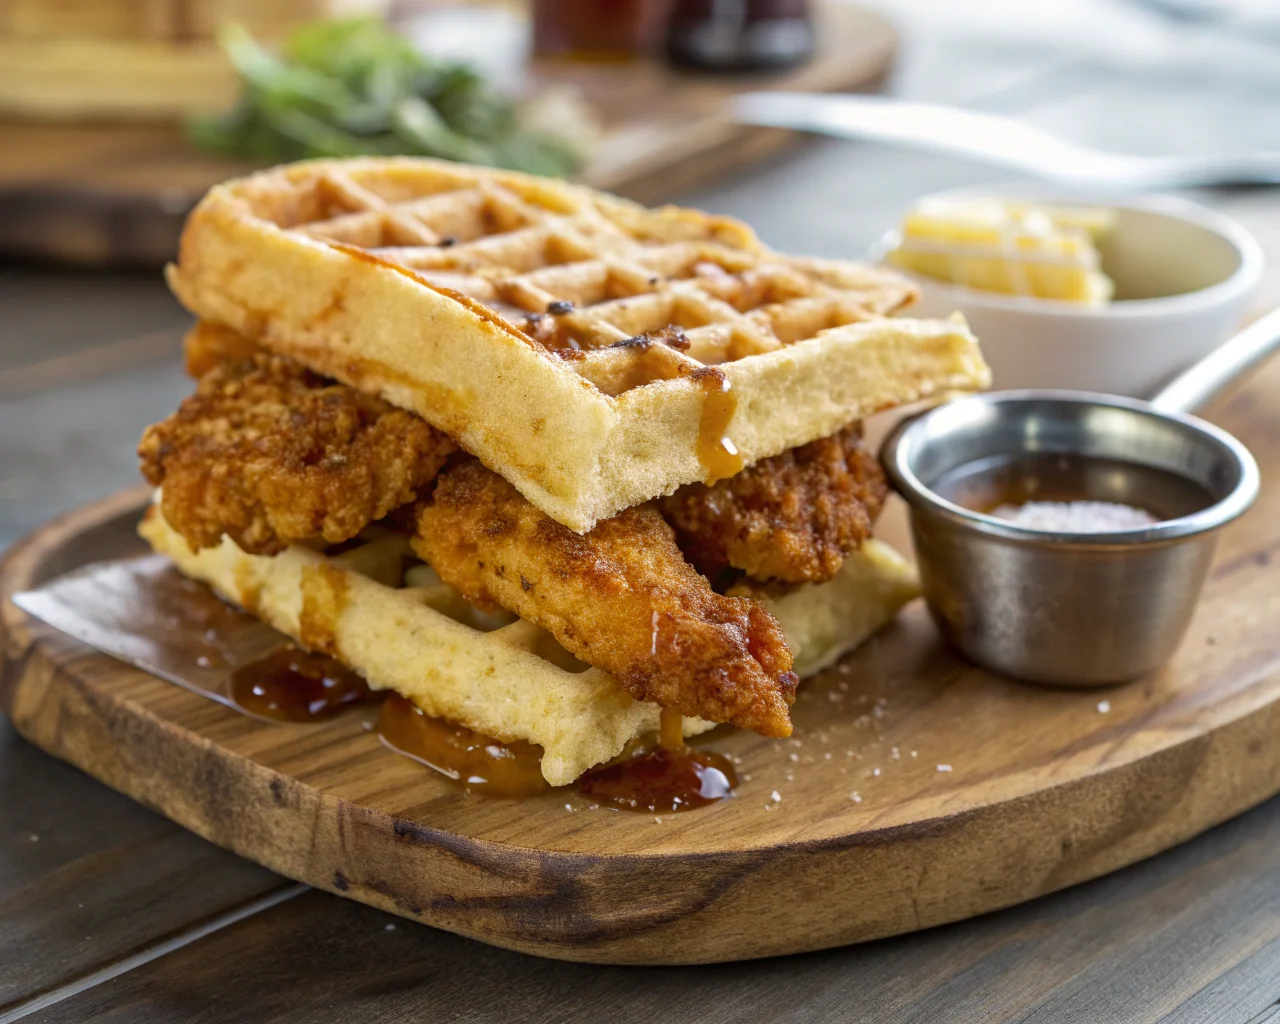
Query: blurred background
x=115, y=115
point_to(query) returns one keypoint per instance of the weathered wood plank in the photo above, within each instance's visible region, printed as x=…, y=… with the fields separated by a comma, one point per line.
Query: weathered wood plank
x=1127, y=947
x=88, y=876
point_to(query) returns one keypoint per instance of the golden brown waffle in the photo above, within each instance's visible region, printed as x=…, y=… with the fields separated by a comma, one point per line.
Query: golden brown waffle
x=595, y=353
x=405, y=630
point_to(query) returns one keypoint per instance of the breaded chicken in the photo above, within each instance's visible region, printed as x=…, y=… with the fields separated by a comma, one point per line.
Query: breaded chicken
x=793, y=517
x=621, y=597
x=268, y=453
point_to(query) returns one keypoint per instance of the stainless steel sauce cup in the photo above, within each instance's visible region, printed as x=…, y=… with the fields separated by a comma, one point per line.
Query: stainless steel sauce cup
x=1075, y=608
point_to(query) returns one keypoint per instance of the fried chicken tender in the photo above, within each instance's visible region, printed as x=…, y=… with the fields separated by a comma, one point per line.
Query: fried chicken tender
x=622, y=598
x=793, y=517
x=268, y=453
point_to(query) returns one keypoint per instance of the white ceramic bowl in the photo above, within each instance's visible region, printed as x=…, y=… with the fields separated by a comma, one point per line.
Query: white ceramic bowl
x=1184, y=278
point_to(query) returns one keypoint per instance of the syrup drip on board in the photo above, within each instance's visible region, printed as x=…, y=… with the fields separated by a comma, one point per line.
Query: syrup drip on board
x=294, y=685
x=477, y=761
x=672, y=777
x=670, y=729
x=199, y=617
x=718, y=455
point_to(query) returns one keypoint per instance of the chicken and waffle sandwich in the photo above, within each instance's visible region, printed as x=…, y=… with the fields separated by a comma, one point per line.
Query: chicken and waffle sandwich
x=542, y=461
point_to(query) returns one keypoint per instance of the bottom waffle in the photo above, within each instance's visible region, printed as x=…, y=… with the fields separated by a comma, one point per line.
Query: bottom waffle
x=388, y=617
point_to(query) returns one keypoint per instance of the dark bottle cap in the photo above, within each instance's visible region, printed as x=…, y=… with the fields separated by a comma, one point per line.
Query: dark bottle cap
x=740, y=35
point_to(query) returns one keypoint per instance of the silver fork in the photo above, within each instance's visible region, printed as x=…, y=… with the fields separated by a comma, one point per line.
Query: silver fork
x=996, y=140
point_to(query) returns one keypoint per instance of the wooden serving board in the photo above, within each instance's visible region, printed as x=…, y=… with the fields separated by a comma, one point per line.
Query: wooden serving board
x=973, y=792
x=112, y=194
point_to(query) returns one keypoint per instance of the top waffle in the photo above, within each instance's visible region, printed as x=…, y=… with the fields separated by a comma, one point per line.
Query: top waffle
x=595, y=353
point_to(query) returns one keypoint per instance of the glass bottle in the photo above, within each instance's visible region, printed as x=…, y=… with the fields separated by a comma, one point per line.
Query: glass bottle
x=597, y=30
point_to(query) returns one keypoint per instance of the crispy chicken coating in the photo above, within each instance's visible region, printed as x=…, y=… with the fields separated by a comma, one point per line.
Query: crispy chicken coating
x=622, y=598
x=793, y=517
x=268, y=453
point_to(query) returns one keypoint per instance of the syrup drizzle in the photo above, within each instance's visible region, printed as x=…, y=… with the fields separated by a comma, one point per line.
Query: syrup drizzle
x=719, y=455
x=479, y=762
x=671, y=777
x=670, y=729
x=293, y=685
x=195, y=615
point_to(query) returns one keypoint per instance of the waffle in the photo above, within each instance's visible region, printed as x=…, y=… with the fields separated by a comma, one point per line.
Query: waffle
x=403, y=629
x=595, y=353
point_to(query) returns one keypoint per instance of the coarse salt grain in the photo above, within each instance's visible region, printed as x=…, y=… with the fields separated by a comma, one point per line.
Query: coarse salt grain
x=944, y=767
x=1075, y=516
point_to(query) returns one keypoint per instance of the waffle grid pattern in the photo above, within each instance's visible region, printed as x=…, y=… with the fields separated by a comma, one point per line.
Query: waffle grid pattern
x=591, y=351
x=591, y=280
x=406, y=631
x=391, y=618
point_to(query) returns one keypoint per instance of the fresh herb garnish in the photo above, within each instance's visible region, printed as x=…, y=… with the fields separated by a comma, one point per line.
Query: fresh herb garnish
x=352, y=86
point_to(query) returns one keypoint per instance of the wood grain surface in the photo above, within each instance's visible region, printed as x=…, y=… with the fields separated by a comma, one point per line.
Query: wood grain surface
x=110, y=194
x=975, y=792
x=1188, y=938
x=78, y=892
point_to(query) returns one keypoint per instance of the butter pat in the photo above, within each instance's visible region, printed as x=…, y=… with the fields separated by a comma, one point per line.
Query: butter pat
x=1008, y=246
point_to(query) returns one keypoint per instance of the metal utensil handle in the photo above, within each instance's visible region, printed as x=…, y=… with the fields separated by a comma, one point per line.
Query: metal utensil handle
x=993, y=139
x=1195, y=388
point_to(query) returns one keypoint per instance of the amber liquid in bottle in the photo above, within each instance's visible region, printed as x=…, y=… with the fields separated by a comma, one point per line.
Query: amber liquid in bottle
x=597, y=30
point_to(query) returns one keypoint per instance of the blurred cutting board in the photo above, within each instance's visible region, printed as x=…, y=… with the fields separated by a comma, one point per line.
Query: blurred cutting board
x=114, y=194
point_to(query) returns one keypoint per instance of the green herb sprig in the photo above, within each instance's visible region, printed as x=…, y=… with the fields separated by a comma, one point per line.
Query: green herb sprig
x=352, y=86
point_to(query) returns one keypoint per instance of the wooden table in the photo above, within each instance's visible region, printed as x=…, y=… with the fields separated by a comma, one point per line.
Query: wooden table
x=108, y=911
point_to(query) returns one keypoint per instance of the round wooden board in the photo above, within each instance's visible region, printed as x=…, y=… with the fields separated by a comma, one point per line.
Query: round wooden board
x=113, y=194
x=975, y=792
